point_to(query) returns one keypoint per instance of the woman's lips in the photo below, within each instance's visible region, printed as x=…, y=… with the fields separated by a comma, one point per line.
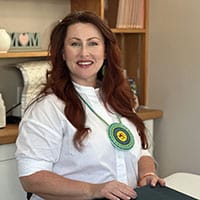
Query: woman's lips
x=85, y=63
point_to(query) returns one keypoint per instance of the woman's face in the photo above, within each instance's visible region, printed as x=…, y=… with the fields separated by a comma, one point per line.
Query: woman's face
x=84, y=52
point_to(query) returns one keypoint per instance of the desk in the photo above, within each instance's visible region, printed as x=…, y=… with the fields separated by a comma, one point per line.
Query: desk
x=186, y=183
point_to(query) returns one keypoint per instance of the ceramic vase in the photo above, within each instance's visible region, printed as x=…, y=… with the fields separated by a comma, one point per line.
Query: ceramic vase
x=5, y=41
x=34, y=76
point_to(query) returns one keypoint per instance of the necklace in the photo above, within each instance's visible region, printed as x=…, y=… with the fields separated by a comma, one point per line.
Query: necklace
x=119, y=135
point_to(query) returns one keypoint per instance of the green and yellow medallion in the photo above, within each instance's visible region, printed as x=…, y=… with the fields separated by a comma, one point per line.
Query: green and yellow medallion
x=120, y=136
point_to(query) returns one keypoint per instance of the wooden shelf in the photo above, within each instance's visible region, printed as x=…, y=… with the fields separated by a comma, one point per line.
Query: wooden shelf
x=9, y=133
x=28, y=54
x=117, y=30
x=146, y=113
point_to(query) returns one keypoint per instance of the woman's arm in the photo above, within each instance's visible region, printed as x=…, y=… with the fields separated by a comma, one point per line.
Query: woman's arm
x=51, y=186
x=147, y=172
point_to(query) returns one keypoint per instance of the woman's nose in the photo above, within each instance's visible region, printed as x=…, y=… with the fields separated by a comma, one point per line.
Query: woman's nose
x=84, y=51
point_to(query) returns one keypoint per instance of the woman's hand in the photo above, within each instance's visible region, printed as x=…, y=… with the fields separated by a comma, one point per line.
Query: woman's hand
x=114, y=190
x=151, y=179
x=146, y=168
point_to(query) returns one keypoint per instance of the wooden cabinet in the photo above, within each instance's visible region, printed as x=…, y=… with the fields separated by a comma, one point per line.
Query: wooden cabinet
x=133, y=42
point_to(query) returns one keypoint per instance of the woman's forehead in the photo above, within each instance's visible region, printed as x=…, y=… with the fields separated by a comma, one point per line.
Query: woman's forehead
x=86, y=30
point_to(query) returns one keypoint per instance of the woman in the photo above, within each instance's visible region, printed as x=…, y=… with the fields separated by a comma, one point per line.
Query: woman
x=81, y=138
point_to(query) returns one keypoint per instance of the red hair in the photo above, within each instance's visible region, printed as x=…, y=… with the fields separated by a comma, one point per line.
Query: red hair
x=114, y=89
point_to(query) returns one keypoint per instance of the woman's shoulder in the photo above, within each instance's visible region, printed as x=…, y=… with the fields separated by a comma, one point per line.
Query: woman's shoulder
x=46, y=104
x=49, y=99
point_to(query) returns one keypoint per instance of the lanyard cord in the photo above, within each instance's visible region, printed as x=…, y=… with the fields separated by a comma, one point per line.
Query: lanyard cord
x=119, y=135
x=95, y=112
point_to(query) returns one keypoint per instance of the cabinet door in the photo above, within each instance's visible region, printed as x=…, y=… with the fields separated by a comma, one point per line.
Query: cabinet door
x=10, y=186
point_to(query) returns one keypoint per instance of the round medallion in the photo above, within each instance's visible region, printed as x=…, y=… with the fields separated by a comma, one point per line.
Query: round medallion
x=120, y=136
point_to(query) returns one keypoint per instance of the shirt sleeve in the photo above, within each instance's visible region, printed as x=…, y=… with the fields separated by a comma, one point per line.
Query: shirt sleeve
x=145, y=152
x=40, y=138
x=28, y=166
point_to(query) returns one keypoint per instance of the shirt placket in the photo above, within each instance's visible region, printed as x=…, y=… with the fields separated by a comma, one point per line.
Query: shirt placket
x=121, y=167
x=120, y=160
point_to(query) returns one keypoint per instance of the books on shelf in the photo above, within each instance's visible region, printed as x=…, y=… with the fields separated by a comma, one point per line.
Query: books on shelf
x=130, y=14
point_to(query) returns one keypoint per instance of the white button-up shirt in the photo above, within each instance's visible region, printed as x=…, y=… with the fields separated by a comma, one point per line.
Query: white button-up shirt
x=45, y=142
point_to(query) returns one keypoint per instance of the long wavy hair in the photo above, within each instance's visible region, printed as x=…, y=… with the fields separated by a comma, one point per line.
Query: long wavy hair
x=114, y=88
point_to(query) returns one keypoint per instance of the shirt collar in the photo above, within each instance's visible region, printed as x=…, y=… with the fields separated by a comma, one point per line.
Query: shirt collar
x=85, y=89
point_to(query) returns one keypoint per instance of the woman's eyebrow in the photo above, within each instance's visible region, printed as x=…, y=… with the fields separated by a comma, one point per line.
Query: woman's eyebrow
x=88, y=39
x=94, y=38
x=74, y=38
x=91, y=38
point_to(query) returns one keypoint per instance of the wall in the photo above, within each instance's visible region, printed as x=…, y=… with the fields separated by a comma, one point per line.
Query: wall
x=174, y=79
x=26, y=16
x=32, y=16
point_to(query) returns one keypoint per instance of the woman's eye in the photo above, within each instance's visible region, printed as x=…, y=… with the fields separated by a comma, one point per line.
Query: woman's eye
x=75, y=44
x=93, y=43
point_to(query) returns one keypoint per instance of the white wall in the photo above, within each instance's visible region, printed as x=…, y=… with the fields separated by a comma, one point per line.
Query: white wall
x=26, y=16
x=32, y=16
x=174, y=81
